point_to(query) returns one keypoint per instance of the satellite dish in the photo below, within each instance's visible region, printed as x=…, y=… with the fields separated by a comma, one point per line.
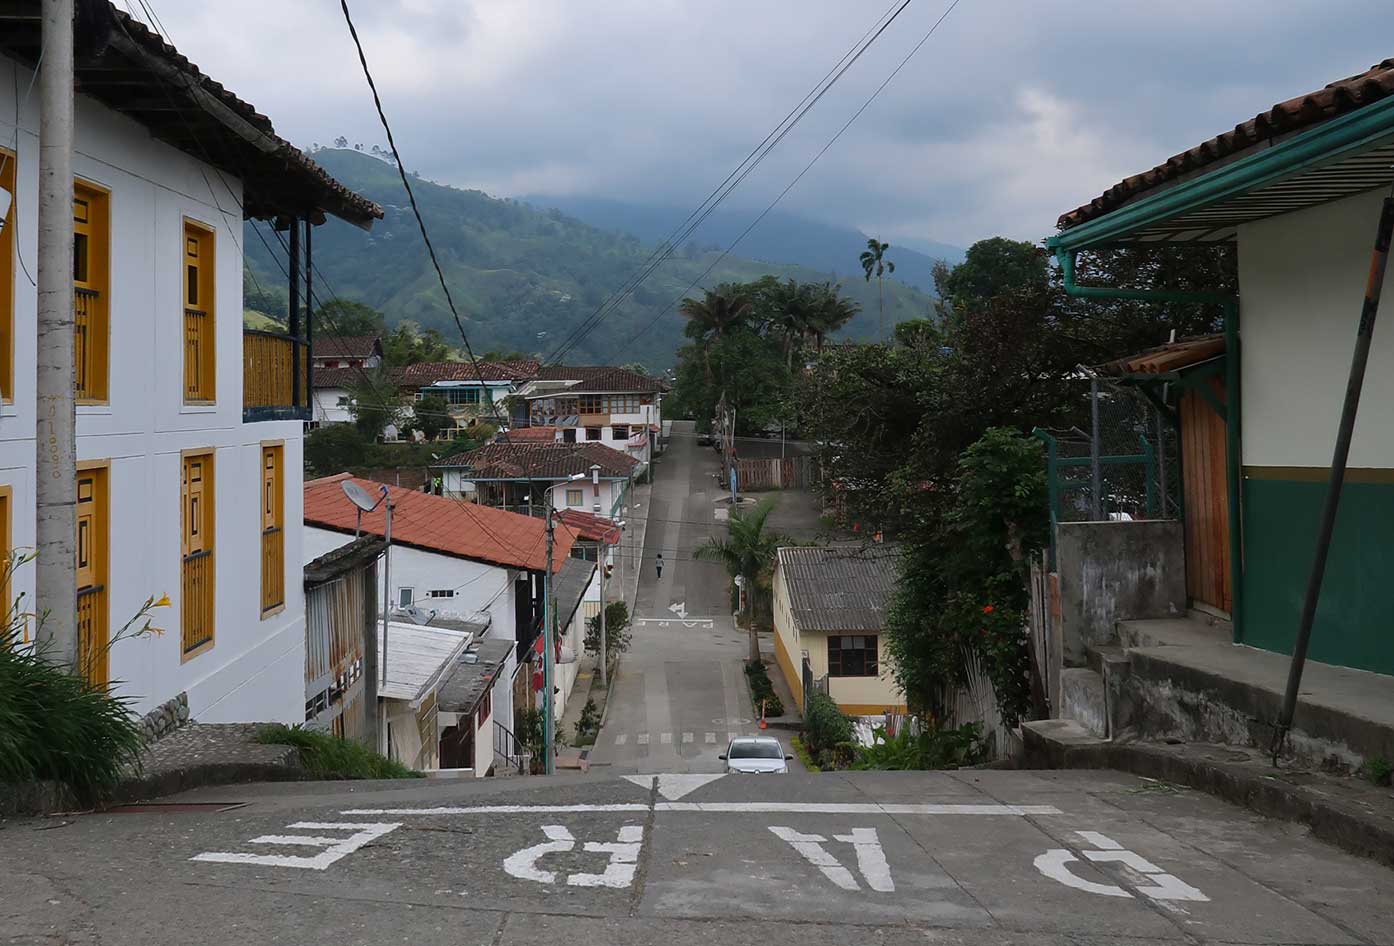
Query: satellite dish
x=359, y=496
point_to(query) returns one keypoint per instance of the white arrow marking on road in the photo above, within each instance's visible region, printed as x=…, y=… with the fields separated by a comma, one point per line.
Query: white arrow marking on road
x=674, y=786
x=680, y=609
x=1163, y=886
x=334, y=848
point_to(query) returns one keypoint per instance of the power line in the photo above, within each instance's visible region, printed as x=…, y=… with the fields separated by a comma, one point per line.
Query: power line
x=831, y=141
x=741, y=172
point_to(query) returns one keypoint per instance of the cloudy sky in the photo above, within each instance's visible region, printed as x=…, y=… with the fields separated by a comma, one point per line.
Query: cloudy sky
x=1013, y=112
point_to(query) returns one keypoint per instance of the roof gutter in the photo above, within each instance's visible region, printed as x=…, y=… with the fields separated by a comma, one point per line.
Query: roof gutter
x=1334, y=138
x=1065, y=256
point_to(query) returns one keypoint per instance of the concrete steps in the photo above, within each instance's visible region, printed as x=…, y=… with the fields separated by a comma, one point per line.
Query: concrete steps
x=1082, y=700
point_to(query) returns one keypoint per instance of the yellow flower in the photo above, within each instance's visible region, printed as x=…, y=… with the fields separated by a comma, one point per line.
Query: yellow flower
x=162, y=603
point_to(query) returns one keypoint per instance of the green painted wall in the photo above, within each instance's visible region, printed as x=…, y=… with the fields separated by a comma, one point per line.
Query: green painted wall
x=1355, y=617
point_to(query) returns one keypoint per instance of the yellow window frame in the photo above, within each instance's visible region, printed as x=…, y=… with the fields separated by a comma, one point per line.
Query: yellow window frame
x=91, y=292
x=198, y=292
x=273, y=534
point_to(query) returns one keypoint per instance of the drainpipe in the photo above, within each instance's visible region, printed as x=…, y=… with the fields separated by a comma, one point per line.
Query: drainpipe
x=1230, y=304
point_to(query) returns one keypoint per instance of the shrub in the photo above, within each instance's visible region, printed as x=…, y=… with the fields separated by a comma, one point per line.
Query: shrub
x=826, y=729
x=931, y=749
x=762, y=689
x=325, y=755
x=617, y=636
x=801, y=751
x=588, y=726
x=1379, y=771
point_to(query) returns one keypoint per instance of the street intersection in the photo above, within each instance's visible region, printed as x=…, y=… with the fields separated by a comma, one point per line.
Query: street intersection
x=982, y=856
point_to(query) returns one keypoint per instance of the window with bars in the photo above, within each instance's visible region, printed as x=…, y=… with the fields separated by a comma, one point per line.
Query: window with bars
x=853, y=655
x=198, y=314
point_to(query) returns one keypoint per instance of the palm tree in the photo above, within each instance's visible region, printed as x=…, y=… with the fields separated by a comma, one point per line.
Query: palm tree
x=795, y=313
x=715, y=315
x=831, y=311
x=872, y=261
x=748, y=553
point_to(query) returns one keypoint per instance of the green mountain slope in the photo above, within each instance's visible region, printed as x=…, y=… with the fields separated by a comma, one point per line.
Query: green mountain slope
x=522, y=278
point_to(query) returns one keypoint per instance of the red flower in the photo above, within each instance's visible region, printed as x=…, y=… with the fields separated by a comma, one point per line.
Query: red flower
x=987, y=609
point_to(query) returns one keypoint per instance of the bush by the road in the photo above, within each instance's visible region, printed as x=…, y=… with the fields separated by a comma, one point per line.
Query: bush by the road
x=325, y=755
x=762, y=689
x=827, y=732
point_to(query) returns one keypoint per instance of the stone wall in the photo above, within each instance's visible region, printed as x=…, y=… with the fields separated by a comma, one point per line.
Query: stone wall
x=1116, y=571
x=165, y=718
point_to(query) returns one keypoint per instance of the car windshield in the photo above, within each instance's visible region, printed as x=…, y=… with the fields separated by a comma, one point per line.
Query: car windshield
x=756, y=750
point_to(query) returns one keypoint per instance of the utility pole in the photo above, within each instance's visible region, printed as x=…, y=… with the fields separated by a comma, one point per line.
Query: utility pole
x=55, y=480
x=547, y=610
x=386, y=592
x=604, y=652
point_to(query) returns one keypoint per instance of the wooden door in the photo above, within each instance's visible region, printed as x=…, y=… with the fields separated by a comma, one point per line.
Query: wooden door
x=196, y=547
x=91, y=576
x=1204, y=486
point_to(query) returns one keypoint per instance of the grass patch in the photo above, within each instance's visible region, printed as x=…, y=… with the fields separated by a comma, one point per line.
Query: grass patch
x=332, y=757
x=762, y=689
x=801, y=751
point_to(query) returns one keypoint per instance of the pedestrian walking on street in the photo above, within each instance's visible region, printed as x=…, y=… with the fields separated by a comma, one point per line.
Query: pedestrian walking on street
x=658, y=564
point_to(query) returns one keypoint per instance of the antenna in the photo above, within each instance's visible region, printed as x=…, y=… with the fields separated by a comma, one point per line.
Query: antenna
x=359, y=496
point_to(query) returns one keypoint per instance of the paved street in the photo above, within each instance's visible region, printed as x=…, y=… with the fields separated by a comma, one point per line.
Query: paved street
x=883, y=858
x=681, y=693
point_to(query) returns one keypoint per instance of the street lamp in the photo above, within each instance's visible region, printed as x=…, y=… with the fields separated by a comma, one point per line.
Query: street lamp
x=549, y=611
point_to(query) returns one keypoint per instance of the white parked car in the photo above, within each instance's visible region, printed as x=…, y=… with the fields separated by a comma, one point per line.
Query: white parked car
x=756, y=755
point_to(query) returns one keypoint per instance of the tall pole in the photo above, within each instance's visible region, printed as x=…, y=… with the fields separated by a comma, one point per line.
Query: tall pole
x=1356, y=380
x=547, y=611
x=604, y=651
x=293, y=313
x=1096, y=478
x=55, y=486
x=386, y=586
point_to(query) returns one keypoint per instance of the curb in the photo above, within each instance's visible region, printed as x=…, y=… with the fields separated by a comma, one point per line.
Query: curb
x=1347, y=823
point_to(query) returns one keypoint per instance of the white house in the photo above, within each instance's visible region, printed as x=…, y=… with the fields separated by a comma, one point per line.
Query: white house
x=467, y=563
x=332, y=397
x=610, y=406
x=188, y=432
x=522, y=477
x=468, y=400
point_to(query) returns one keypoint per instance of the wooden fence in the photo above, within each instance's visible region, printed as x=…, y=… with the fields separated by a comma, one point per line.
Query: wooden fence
x=788, y=473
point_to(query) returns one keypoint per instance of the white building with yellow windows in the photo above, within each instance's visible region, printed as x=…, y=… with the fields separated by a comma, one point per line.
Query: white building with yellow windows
x=189, y=430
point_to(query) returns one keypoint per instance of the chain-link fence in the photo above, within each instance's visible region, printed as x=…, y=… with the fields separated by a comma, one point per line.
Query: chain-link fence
x=1124, y=465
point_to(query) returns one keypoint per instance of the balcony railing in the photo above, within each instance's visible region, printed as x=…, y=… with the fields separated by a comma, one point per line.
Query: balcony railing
x=92, y=635
x=269, y=389
x=198, y=350
x=273, y=569
x=196, y=603
x=88, y=345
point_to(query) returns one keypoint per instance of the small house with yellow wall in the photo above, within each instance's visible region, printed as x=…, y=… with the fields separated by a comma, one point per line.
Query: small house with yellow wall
x=829, y=618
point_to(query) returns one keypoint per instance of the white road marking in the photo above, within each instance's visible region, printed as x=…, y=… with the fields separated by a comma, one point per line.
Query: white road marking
x=738, y=807
x=622, y=738
x=811, y=847
x=666, y=738
x=618, y=873
x=711, y=738
x=687, y=737
x=680, y=609
x=871, y=859
x=642, y=739
x=1162, y=887
x=334, y=848
x=675, y=785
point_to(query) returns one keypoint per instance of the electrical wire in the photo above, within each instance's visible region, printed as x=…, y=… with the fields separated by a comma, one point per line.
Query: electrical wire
x=740, y=174
x=831, y=141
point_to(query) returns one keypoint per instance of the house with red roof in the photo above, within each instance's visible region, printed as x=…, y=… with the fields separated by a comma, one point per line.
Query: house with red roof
x=613, y=407
x=451, y=560
x=525, y=477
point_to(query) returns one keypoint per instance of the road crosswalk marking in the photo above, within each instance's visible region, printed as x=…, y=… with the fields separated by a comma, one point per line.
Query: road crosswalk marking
x=669, y=738
x=666, y=738
x=622, y=738
x=643, y=739
x=711, y=738
x=687, y=737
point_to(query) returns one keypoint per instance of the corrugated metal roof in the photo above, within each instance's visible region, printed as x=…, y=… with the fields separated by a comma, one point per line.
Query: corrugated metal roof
x=840, y=588
x=466, y=683
x=417, y=658
x=1296, y=114
x=572, y=581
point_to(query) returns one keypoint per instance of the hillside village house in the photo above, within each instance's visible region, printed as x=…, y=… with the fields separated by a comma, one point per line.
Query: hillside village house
x=1297, y=190
x=188, y=429
x=609, y=406
x=348, y=351
x=829, y=618
x=478, y=569
x=524, y=477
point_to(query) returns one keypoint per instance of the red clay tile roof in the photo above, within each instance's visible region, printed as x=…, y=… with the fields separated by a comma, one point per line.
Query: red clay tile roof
x=590, y=528
x=1297, y=114
x=1173, y=356
x=338, y=377
x=432, y=372
x=600, y=379
x=437, y=524
x=347, y=346
x=529, y=435
x=543, y=461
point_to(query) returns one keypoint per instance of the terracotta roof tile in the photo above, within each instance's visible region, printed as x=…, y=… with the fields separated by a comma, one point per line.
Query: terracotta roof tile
x=347, y=346
x=529, y=435
x=600, y=378
x=1296, y=114
x=437, y=524
x=1173, y=356
x=435, y=371
x=543, y=461
x=589, y=527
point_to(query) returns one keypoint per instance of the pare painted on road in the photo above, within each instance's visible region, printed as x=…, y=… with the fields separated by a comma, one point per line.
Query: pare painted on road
x=1155, y=882
x=332, y=849
x=618, y=873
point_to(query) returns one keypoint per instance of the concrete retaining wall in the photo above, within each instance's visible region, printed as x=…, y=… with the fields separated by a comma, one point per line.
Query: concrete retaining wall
x=1116, y=571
